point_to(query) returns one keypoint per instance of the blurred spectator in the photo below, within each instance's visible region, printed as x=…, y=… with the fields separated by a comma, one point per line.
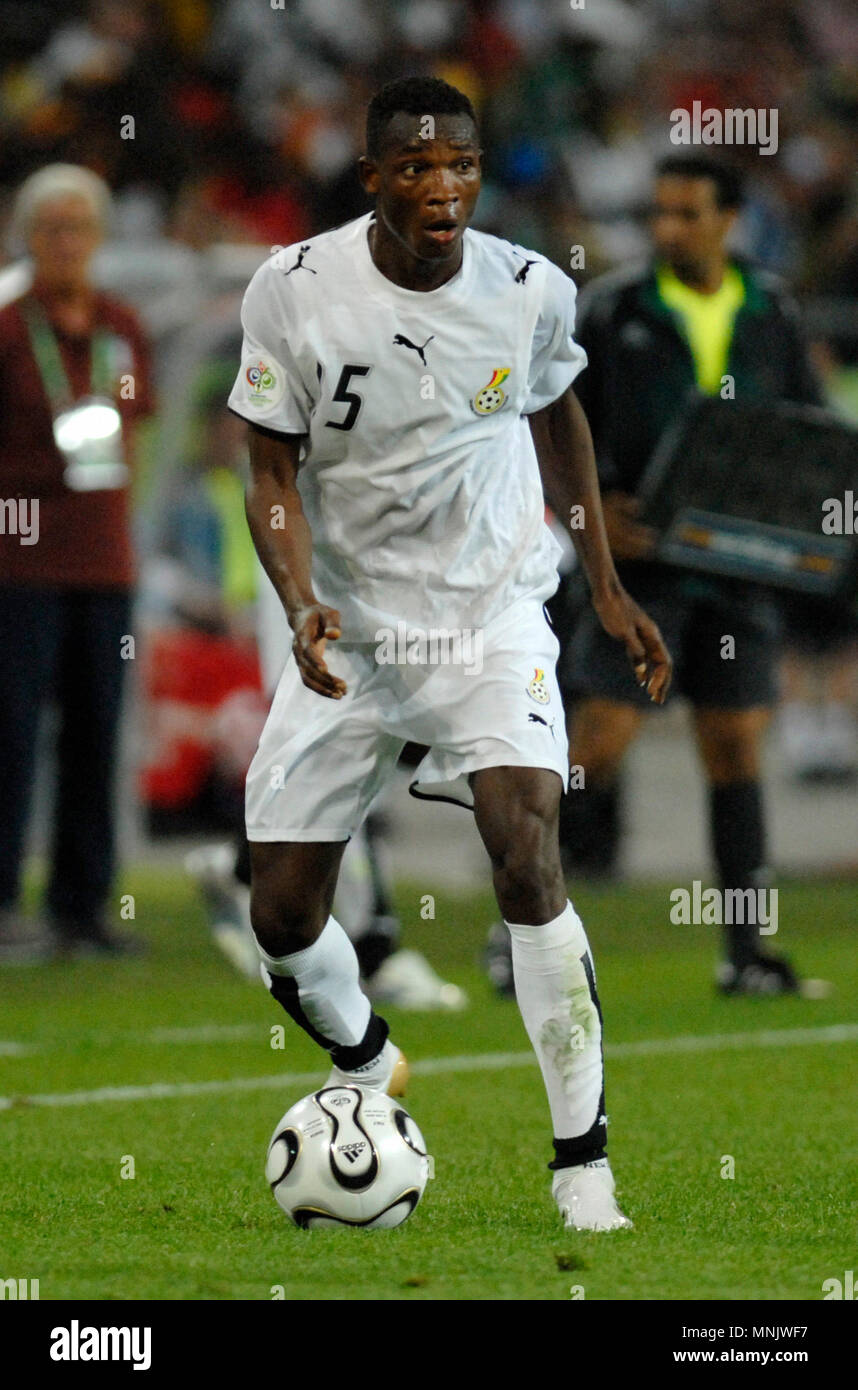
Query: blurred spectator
x=246, y=122
x=74, y=380
x=203, y=687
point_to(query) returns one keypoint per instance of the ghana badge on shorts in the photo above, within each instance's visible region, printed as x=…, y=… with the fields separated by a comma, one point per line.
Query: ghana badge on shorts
x=537, y=689
x=490, y=397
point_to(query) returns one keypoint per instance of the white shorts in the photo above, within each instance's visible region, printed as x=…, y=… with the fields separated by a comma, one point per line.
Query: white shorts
x=321, y=763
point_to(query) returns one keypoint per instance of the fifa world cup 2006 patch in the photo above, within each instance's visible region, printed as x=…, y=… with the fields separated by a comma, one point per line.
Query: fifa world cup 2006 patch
x=265, y=382
x=537, y=689
x=490, y=398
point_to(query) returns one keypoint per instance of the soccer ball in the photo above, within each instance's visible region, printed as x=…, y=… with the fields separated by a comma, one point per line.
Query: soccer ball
x=345, y=1156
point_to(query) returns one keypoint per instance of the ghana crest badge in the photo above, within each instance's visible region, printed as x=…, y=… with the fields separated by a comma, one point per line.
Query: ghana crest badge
x=537, y=689
x=490, y=398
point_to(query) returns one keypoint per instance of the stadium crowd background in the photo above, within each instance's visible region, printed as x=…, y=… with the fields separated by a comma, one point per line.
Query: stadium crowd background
x=249, y=115
x=248, y=119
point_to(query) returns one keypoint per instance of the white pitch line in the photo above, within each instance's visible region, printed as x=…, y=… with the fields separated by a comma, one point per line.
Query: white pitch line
x=727, y=1042
x=235, y=1032
x=203, y=1033
x=174, y=1037
x=161, y=1090
x=437, y=1066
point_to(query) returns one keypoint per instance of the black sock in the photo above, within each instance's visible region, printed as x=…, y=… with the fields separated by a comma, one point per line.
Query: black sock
x=738, y=840
x=591, y=828
x=242, y=859
x=584, y=1148
x=373, y=1040
x=376, y=945
x=285, y=990
x=381, y=937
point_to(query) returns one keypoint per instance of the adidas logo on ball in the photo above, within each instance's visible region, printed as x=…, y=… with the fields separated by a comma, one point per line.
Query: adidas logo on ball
x=351, y=1151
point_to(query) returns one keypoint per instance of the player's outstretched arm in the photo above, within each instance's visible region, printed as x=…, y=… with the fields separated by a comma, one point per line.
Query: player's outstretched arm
x=283, y=543
x=564, y=448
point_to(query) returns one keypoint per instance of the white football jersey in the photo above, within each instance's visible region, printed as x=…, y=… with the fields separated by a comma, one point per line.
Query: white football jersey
x=418, y=475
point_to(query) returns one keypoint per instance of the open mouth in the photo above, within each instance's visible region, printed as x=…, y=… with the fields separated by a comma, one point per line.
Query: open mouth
x=443, y=230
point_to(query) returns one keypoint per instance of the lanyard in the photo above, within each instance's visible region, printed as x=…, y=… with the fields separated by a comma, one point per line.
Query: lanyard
x=46, y=351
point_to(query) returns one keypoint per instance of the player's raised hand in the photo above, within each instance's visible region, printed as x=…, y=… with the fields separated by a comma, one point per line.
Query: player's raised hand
x=313, y=627
x=621, y=617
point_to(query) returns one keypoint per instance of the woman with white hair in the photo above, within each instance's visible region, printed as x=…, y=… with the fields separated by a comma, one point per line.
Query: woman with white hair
x=74, y=380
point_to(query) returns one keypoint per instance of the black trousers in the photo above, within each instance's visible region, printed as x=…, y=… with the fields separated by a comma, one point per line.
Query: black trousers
x=65, y=646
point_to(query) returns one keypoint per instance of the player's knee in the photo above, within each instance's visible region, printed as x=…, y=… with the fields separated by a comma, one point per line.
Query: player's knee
x=530, y=860
x=601, y=765
x=284, y=922
x=733, y=765
x=730, y=743
x=733, y=757
x=598, y=739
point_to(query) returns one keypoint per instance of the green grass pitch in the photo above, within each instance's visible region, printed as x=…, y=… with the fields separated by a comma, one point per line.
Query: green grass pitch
x=197, y=1221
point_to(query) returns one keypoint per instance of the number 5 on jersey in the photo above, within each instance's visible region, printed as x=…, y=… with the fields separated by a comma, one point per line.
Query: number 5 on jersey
x=347, y=397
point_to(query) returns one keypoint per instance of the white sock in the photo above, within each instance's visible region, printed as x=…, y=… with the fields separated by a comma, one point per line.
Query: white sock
x=329, y=991
x=561, y=1017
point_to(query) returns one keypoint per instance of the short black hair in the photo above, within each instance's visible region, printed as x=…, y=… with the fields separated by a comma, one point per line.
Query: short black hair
x=417, y=96
x=726, y=178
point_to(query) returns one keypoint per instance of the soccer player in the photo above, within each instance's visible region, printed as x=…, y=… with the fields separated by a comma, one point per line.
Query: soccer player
x=407, y=382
